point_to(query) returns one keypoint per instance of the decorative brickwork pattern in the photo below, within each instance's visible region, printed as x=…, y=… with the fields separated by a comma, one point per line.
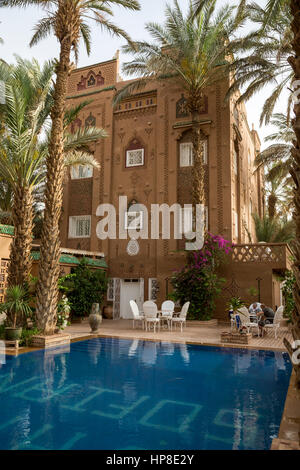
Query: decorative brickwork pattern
x=81, y=201
x=104, y=74
x=219, y=159
x=166, y=165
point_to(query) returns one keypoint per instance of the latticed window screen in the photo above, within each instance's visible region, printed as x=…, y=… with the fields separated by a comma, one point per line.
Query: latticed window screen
x=134, y=220
x=111, y=290
x=91, y=81
x=80, y=226
x=81, y=171
x=153, y=289
x=135, y=157
x=186, y=153
x=4, y=263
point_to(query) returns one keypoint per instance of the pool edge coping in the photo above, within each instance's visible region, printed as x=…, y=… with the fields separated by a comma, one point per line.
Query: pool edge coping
x=26, y=349
x=289, y=425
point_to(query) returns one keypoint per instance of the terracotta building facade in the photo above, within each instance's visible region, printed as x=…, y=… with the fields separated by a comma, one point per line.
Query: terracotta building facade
x=148, y=158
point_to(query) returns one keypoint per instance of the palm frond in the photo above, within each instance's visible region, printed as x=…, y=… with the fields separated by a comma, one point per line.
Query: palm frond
x=77, y=157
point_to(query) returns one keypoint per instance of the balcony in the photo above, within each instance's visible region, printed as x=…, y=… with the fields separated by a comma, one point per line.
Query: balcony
x=278, y=255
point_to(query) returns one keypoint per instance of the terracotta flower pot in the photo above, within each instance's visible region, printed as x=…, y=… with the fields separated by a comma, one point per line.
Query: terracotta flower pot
x=108, y=312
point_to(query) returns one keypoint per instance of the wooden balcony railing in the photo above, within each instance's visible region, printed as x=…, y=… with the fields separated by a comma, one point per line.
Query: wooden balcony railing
x=278, y=254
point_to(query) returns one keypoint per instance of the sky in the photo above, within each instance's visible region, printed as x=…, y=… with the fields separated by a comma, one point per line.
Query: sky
x=17, y=25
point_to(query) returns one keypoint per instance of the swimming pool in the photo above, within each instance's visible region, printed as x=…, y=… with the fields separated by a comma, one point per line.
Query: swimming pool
x=110, y=393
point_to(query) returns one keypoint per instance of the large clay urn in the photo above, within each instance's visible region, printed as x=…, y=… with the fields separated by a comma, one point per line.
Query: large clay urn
x=95, y=318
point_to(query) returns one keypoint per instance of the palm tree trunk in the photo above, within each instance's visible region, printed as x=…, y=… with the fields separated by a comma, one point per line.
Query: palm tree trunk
x=198, y=168
x=47, y=289
x=20, y=257
x=272, y=201
x=295, y=172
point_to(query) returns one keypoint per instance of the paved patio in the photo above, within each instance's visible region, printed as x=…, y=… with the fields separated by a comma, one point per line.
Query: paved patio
x=194, y=333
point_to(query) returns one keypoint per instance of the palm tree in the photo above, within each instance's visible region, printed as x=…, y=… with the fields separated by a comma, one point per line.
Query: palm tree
x=279, y=9
x=27, y=92
x=191, y=51
x=263, y=59
x=295, y=171
x=278, y=192
x=278, y=155
x=67, y=20
x=273, y=7
x=270, y=230
x=23, y=154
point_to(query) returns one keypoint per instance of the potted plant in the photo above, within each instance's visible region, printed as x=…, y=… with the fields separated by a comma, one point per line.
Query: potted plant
x=63, y=312
x=234, y=306
x=95, y=318
x=17, y=309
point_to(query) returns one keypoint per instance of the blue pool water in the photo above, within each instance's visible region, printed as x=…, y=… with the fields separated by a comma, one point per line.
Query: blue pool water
x=121, y=394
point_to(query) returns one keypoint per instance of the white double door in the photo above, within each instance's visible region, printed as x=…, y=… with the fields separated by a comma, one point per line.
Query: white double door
x=131, y=289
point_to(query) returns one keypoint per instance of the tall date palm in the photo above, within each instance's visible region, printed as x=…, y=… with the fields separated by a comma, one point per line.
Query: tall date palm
x=272, y=10
x=68, y=21
x=191, y=51
x=28, y=100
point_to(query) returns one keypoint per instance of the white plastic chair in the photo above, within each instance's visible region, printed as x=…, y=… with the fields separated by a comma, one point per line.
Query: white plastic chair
x=181, y=320
x=167, y=310
x=275, y=326
x=244, y=315
x=136, y=313
x=150, y=315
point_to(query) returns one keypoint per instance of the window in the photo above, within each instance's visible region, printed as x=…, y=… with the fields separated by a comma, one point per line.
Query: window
x=235, y=162
x=236, y=224
x=186, y=219
x=80, y=226
x=81, y=171
x=153, y=288
x=91, y=81
x=205, y=152
x=135, y=157
x=186, y=153
x=134, y=220
x=111, y=290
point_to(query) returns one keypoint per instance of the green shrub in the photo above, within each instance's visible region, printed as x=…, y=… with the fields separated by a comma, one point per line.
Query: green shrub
x=287, y=291
x=27, y=335
x=83, y=288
